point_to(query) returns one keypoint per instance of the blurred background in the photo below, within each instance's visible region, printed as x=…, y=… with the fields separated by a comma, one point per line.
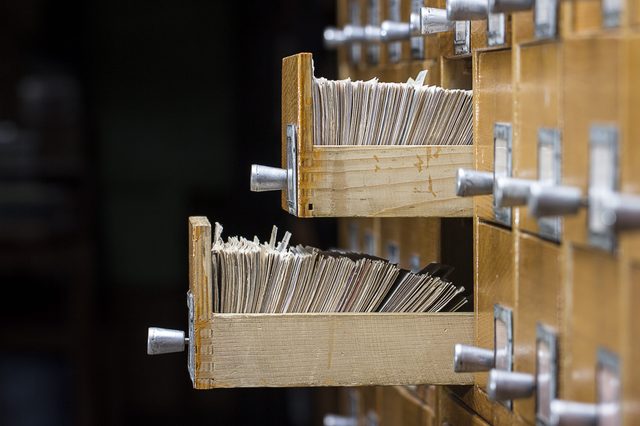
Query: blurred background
x=118, y=120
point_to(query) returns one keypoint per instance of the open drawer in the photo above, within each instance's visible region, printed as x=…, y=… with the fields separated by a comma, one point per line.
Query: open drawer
x=315, y=349
x=357, y=180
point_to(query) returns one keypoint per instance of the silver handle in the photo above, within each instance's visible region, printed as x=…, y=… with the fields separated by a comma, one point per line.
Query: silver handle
x=507, y=385
x=397, y=31
x=354, y=33
x=467, y=10
x=469, y=359
x=433, y=21
x=472, y=182
x=551, y=200
x=511, y=192
x=165, y=341
x=334, y=37
x=508, y=6
x=569, y=413
x=336, y=420
x=265, y=178
x=621, y=211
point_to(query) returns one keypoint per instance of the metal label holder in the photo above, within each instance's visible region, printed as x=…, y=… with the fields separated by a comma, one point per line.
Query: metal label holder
x=608, y=388
x=292, y=169
x=546, y=372
x=603, y=182
x=545, y=17
x=191, y=359
x=550, y=172
x=462, y=38
x=496, y=29
x=373, y=15
x=417, y=43
x=503, y=342
x=502, y=165
x=611, y=13
x=394, y=49
x=355, y=50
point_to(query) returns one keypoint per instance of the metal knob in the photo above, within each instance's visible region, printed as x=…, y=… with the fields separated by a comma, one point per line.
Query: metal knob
x=372, y=34
x=508, y=6
x=553, y=200
x=507, y=385
x=335, y=420
x=621, y=212
x=265, y=178
x=165, y=341
x=334, y=37
x=472, y=182
x=467, y=10
x=433, y=20
x=510, y=192
x=469, y=359
x=569, y=413
x=354, y=33
x=397, y=31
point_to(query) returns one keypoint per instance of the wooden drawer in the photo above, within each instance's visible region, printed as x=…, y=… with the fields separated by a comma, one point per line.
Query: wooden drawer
x=631, y=337
x=293, y=350
x=456, y=73
x=591, y=95
x=540, y=300
x=383, y=181
x=537, y=104
x=492, y=102
x=495, y=255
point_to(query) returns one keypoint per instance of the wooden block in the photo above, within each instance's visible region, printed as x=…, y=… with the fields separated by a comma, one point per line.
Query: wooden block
x=398, y=406
x=537, y=100
x=631, y=336
x=522, y=27
x=420, y=242
x=495, y=281
x=492, y=102
x=586, y=61
x=452, y=412
x=540, y=300
x=370, y=236
x=384, y=181
x=289, y=350
x=456, y=73
x=478, y=402
x=630, y=135
x=594, y=313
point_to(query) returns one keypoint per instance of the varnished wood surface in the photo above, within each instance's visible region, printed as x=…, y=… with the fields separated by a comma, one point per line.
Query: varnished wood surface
x=283, y=350
x=495, y=250
x=492, y=102
x=537, y=97
x=540, y=279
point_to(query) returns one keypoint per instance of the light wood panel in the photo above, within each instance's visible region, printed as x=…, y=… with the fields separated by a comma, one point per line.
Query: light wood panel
x=540, y=300
x=452, y=412
x=393, y=181
x=285, y=350
x=492, y=102
x=631, y=335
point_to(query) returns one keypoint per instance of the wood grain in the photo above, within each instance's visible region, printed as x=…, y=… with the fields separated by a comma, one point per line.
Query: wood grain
x=537, y=97
x=283, y=350
x=540, y=277
x=495, y=281
x=390, y=181
x=492, y=102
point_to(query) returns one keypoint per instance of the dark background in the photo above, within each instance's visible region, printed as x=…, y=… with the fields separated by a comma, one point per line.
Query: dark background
x=118, y=120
